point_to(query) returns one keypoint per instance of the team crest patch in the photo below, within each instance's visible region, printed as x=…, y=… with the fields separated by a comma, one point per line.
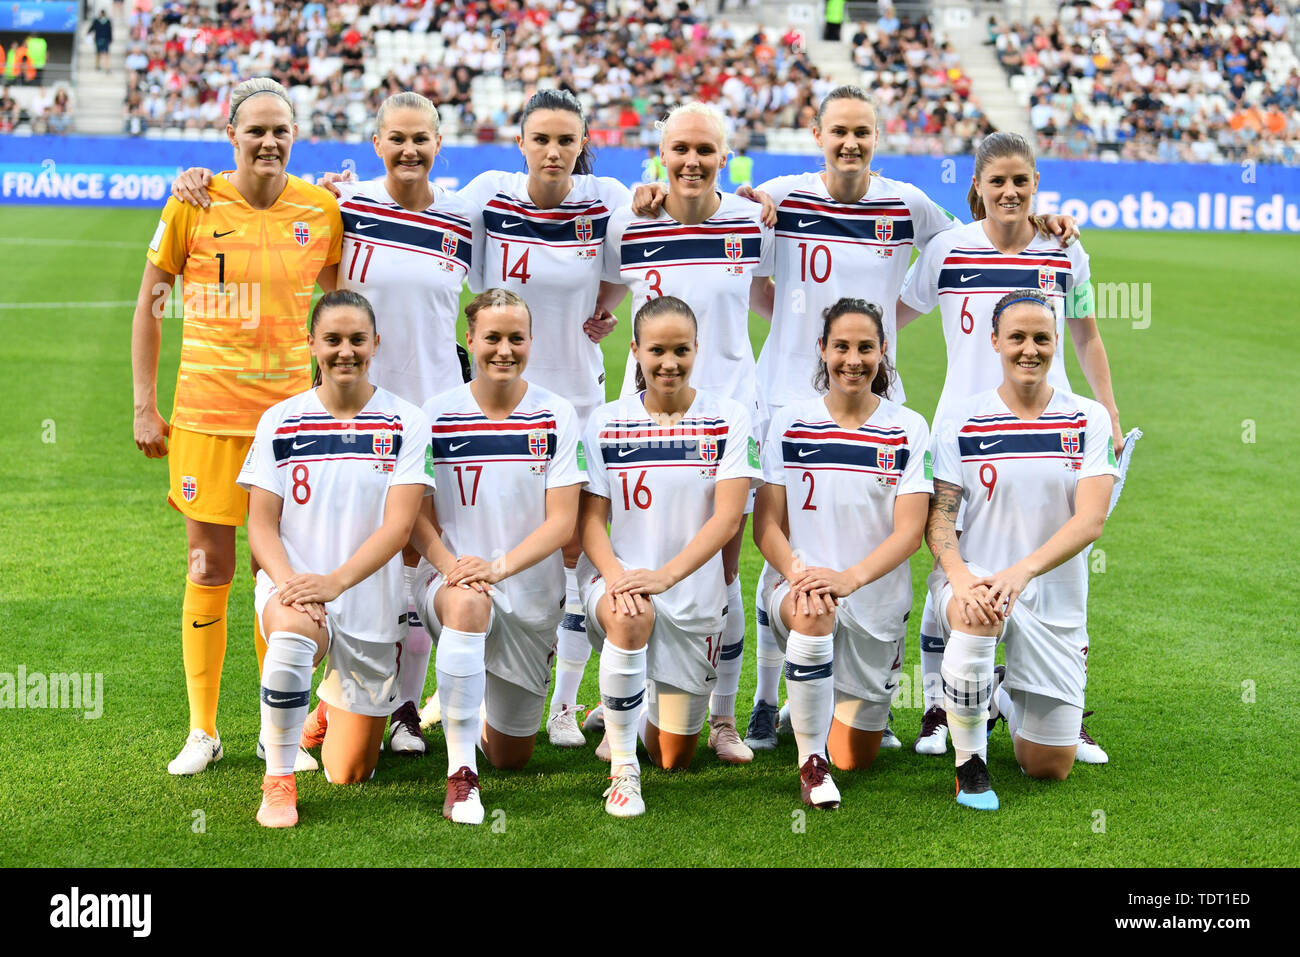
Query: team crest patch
x=885, y=459
x=732, y=246
x=301, y=233
x=537, y=443
x=382, y=444
x=582, y=229
x=884, y=229
x=189, y=488
x=709, y=449
x=449, y=244
x=1046, y=278
x=1070, y=442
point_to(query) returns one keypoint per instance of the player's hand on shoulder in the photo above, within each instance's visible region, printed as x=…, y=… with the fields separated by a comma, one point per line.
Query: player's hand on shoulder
x=601, y=324
x=648, y=199
x=758, y=196
x=151, y=431
x=304, y=588
x=1065, y=229
x=328, y=180
x=191, y=187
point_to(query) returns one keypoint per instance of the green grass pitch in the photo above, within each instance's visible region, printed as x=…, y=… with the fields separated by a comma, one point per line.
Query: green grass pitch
x=1193, y=664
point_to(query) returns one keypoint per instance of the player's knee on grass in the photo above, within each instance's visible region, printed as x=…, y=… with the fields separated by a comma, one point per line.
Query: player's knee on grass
x=513, y=715
x=463, y=609
x=674, y=718
x=506, y=752
x=1047, y=735
x=351, y=748
x=854, y=740
x=670, y=752
x=1045, y=762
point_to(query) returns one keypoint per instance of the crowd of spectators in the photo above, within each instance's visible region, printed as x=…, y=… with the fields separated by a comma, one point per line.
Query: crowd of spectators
x=924, y=101
x=628, y=60
x=1159, y=80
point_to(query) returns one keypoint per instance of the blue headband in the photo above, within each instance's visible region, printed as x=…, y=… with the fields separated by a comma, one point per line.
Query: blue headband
x=1003, y=307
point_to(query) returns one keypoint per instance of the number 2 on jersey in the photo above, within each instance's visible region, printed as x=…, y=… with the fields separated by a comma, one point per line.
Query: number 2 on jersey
x=519, y=270
x=640, y=493
x=808, y=505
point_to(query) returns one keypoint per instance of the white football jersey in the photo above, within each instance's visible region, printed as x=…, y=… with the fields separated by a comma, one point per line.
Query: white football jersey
x=840, y=488
x=1018, y=480
x=334, y=477
x=660, y=480
x=826, y=250
x=491, y=478
x=552, y=258
x=411, y=267
x=965, y=274
x=708, y=266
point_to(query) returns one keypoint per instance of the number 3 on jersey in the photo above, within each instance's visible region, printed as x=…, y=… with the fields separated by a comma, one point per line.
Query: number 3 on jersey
x=519, y=270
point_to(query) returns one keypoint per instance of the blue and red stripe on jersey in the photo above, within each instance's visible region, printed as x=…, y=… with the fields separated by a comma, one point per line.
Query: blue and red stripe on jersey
x=652, y=243
x=466, y=436
x=316, y=436
x=569, y=224
x=386, y=224
x=825, y=445
x=835, y=221
x=1048, y=270
x=638, y=442
x=1053, y=435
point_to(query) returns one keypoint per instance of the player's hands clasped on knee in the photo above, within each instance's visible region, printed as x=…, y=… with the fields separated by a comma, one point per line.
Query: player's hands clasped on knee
x=1007, y=586
x=974, y=600
x=305, y=587
x=643, y=581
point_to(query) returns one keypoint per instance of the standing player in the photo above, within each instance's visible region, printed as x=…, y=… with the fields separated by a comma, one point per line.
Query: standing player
x=670, y=470
x=841, y=231
x=544, y=233
x=712, y=251
x=966, y=271
x=845, y=474
x=335, y=478
x=508, y=469
x=249, y=263
x=1033, y=467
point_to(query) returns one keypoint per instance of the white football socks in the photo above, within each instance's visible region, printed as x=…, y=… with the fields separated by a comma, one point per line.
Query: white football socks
x=722, y=702
x=416, y=647
x=768, y=654
x=1007, y=708
x=572, y=649
x=967, y=685
x=461, y=682
x=286, y=689
x=811, y=687
x=622, y=692
x=931, y=655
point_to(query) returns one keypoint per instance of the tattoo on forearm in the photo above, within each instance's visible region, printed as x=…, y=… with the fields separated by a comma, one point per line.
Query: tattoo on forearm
x=941, y=526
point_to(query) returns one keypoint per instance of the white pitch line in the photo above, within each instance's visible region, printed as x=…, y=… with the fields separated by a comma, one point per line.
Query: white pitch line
x=101, y=304
x=35, y=241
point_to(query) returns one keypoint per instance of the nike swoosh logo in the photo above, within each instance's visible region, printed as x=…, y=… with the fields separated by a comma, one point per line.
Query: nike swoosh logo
x=272, y=699
x=217, y=235
x=302, y=445
x=647, y=253
x=802, y=224
x=623, y=452
x=989, y=445
x=505, y=225
x=453, y=447
x=966, y=278
x=803, y=452
x=799, y=673
x=366, y=225
x=195, y=624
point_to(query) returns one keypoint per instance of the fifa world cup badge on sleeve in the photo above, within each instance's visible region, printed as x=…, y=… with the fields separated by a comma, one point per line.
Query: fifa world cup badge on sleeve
x=428, y=460
x=582, y=458
x=1110, y=452
x=753, y=452
x=929, y=465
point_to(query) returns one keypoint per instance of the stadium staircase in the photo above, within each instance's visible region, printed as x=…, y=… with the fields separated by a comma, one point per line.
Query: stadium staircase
x=98, y=96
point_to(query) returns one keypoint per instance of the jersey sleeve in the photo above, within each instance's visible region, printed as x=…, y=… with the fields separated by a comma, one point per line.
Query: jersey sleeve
x=1098, y=444
x=259, y=465
x=929, y=217
x=773, y=458
x=1079, y=301
x=589, y=454
x=471, y=198
x=170, y=246
x=566, y=468
x=944, y=453
x=921, y=287
x=740, y=459
x=778, y=187
x=330, y=206
x=614, y=194
x=914, y=477
x=767, y=252
x=613, y=246
x=415, y=460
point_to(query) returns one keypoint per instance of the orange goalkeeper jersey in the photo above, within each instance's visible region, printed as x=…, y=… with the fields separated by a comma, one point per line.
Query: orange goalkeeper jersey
x=247, y=277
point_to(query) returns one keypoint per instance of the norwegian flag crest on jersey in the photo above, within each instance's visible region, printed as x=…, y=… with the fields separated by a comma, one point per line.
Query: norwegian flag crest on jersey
x=537, y=443
x=189, y=488
x=449, y=244
x=1046, y=277
x=884, y=229
x=1070, y=442
x=709, y=449
x=732, y=246
x=382, y=444
x=885, y=458
x=582, y=228
x=301, y=233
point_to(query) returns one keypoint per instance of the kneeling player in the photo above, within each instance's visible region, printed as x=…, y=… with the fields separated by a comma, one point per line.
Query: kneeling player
x=335, y=477
x=845, y=473
x=491, y=589
x=670, y=470
x=1034, y=467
